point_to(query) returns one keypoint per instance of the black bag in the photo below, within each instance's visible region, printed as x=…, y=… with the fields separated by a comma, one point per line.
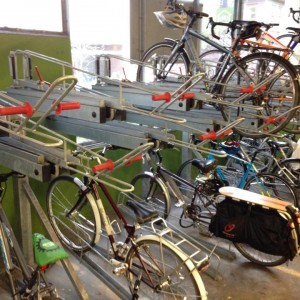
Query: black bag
x=264, y=229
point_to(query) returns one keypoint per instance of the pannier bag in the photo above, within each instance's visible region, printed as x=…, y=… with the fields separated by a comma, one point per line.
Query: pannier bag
x=266, y=230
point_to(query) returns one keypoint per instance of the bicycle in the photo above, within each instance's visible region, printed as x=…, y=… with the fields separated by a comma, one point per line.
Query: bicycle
x=153, y=265
x=251, y=87
x=247, y=177
x=198, y=197
x=24, y=281
x=284, y=45
x=276, y=159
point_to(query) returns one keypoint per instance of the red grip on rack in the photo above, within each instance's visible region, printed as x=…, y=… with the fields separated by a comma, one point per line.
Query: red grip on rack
x=227, y=132
x=270, y=120
x=67, y=106
x=208, y=136
x=108, y=165
x=187, y=96
x=129, y=160
x=26, y=109
x=250, y=89
x=166, y=97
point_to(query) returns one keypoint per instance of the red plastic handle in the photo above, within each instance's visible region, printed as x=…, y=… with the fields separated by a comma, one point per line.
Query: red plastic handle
x=130, y=160
x=187, y=96
x=227, y=132
x=40, y=76
x=165, y=97
x=26, y=109
x=274, y=120
x=250, y=89
x=208, y=136
x=67, y=106
x=108, y=165
x=212, y=135
x=270, y=120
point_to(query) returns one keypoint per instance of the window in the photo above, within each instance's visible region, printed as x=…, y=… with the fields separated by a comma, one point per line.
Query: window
x=99, y=28
x=33, y=16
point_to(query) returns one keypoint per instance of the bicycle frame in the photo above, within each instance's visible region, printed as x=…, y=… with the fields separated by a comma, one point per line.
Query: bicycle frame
x=7, y=238
x=119, y=249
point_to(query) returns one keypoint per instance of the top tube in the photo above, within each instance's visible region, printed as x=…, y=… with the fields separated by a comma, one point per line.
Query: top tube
x=200, y=36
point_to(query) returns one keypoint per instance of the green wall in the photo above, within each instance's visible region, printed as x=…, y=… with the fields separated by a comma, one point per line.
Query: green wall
x=54, y=46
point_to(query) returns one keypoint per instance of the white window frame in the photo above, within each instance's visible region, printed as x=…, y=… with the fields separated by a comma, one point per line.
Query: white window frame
x=65, y=28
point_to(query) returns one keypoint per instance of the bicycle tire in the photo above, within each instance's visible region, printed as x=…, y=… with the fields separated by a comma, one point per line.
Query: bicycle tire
x=152, y=190
x=246, y=250
x=286, y=40
x=294, y=124
x=272, y=185
x=259, y=257
x=173, y=273
x=12, y=274
x=293, y=167
x=159, y=53
x=81, y=230
x=189, y=172
x=278, y=97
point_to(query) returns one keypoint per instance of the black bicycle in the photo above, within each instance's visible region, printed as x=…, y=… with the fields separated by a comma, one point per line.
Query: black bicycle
x=260, y=87
x=26, y=282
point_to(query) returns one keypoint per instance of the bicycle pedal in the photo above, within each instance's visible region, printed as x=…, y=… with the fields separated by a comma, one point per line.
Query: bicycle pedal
x=120, y=267
x=179, y=203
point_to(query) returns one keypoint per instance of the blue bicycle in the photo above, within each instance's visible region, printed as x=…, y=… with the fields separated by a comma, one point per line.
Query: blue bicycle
x=238, y=172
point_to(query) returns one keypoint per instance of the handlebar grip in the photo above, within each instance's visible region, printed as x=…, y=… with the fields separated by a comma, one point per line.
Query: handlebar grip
x=130, y=160
x=26, y=109
x=166, y=97
x=208, y=136
x=227, y=132
x=212, y=135
x=187, y=96
x=67, y=106
x=108, y=165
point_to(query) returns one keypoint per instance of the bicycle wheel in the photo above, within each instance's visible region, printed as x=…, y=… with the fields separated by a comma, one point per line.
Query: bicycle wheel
x=286, y=39
x=290, y=170
x=278, y=93
x=189, y=172
x=259, y=257
x=159, y=66
x=152, y=189
x=294, y=124
x=272, y=185
x=9, y=268
x=163, y=271
x=211, y=62
x=263, y=159
x=79, y=230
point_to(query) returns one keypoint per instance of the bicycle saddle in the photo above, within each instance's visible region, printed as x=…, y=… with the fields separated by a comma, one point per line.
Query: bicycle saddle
x=205, y=165
x=45, y=251
x=143, y=213
x=297, y=30
x=251, y=28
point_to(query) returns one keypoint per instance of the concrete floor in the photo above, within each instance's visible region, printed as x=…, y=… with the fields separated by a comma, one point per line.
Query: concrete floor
x=235, y=278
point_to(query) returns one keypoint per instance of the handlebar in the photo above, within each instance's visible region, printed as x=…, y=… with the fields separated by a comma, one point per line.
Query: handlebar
x=236, y=24
x=294, y=12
